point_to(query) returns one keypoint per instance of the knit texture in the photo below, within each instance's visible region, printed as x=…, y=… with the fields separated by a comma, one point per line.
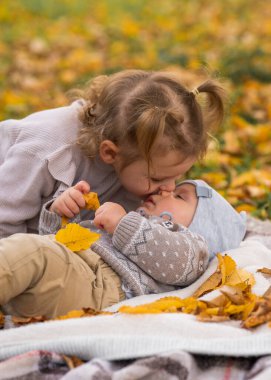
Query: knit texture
x=148, y=256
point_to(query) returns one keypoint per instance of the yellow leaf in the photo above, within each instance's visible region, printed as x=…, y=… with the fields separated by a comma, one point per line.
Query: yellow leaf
x=72, y=314
x=226, y=265
x=75, y=237
x=234, y=309
x=64, y=221
x=166, y=304
x=92, y=201
x=240, y=276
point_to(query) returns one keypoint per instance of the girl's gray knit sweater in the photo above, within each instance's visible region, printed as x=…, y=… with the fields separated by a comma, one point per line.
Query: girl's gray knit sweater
x=150, y=255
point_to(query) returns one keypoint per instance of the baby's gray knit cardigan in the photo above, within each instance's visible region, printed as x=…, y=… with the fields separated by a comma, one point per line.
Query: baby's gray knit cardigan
x=150, y=255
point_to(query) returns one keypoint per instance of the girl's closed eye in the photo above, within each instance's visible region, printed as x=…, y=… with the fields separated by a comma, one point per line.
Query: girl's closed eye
x=156, y=180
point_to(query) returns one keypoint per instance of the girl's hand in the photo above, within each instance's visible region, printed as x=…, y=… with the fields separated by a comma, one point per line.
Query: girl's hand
x=108, y=216
x=71, y=200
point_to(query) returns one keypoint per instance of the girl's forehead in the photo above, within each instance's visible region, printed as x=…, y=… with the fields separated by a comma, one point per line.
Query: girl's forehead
x=171, y=164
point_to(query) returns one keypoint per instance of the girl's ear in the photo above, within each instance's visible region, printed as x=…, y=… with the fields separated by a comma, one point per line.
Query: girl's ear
x=108, y=151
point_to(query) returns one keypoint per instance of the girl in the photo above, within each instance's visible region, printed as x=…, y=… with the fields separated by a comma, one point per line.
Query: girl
x=129, y=135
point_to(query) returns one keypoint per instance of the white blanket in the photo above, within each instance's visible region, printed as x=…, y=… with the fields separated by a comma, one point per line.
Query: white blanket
x=123, y=336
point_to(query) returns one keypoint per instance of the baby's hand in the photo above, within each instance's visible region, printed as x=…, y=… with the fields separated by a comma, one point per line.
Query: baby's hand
x=71, y=200
x=108, y=216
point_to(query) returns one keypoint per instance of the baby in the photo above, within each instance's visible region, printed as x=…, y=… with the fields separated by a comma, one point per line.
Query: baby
x=165, y=245
x=193, y=204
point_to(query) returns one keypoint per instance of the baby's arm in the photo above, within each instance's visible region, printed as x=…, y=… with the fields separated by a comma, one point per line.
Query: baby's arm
x=108, y=216
x=175, y=258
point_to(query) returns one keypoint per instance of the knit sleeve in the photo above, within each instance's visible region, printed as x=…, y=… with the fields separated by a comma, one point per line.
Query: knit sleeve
x=23, y=180
x=170, y=257
x=50, y=222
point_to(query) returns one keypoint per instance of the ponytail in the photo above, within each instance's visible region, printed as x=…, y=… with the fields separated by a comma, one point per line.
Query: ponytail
x=213, y=109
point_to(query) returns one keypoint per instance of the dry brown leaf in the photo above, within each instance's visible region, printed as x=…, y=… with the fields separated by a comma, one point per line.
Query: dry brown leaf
x=254, y=320
x=219, y=301
x=235, y=295
x=72, y=361
x=265, y=270
x=210, y=284
x=27, y=320
x=212, y=318
x=267, y=293
x=2, y=320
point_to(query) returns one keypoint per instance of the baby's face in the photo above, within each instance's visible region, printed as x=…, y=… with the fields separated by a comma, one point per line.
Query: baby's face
x=181, y=203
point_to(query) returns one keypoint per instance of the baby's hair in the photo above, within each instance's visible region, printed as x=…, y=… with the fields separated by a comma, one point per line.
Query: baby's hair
x=135, y=108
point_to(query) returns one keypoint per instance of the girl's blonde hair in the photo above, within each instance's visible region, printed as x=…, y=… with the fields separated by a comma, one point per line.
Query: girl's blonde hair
x=133, y=108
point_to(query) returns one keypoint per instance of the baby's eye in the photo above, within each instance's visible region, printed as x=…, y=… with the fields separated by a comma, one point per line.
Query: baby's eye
x=179, y=196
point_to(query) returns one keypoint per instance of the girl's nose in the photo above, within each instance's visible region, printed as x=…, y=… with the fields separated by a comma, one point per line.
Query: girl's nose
x=168, y=186
x=164, y=193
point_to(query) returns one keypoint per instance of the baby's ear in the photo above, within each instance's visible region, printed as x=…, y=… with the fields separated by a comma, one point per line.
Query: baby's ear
x=108, y=151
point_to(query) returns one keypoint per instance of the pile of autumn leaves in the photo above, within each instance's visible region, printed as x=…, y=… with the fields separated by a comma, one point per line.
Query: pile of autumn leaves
x=234, y=299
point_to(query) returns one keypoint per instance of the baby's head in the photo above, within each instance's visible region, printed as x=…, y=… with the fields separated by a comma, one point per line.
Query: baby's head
x=148, y=125
x=197, y=206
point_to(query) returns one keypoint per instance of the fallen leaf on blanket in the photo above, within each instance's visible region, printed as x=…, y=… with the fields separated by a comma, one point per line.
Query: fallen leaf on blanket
x=166, y=304
x=212, y=318
x=19, y=321
x=233, y=294
x=92, y=201
x=219, y=301
x=2, y=320
x=72, y=361
x=226, y=273
x=236, y=301
x=240, y=277
x=253, y=321
x=227, y=266
x=265, y=270
x=210, y=284
x=76, y=237
x=267, y=293
x=85, y=312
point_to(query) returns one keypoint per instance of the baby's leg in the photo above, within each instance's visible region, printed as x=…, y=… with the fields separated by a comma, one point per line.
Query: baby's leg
x=39, y=276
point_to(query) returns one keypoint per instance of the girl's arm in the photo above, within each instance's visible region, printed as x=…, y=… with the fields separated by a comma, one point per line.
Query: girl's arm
x=23, y=180
x=67, y=204
x=175, y=258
